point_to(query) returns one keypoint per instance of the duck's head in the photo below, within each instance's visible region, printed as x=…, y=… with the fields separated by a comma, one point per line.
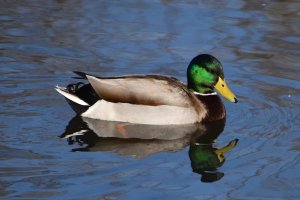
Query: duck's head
x=205, y=73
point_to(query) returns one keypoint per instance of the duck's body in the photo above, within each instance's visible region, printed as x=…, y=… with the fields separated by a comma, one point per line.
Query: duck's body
x=144, y=99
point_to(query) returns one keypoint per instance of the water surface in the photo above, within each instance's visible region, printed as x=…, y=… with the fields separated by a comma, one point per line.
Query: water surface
x=42, y=42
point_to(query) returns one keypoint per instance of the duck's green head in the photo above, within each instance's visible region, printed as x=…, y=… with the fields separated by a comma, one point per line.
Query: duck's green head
x=205, y=73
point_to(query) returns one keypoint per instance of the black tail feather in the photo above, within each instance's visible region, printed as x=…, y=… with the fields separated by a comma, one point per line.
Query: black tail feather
x=81, y=75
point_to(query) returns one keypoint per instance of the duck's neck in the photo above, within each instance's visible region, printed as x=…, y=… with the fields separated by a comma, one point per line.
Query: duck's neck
x=214, y=106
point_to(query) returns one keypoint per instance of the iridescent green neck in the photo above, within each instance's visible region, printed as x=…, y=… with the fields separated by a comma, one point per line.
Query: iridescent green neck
x=200, y=79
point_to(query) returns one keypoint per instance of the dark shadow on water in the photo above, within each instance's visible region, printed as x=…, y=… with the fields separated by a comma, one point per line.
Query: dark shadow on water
x=140, y=141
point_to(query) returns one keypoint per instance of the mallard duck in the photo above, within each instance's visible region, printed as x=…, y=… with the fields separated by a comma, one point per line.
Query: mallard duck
x=153, y=99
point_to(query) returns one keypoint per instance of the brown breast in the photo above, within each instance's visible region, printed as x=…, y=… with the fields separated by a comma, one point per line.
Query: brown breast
x=214, y=106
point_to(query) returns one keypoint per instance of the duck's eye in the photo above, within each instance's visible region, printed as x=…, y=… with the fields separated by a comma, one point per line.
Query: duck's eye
x=222, y=85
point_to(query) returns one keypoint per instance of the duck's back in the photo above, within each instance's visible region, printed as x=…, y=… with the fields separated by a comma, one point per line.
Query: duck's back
x=151, y=99
x=150, y=90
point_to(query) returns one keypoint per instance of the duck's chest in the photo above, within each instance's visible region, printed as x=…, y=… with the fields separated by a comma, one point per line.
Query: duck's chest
x=214, y=106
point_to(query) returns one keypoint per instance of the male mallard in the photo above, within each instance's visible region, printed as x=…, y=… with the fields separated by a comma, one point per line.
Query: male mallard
x=154, y=99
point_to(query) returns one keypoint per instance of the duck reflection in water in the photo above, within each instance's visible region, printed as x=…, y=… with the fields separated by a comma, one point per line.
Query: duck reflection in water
x=205, y=159
x=140, y=141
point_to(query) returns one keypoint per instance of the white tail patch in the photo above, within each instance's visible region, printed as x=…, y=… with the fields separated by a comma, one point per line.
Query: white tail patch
x=78, y=133
x=70, y=96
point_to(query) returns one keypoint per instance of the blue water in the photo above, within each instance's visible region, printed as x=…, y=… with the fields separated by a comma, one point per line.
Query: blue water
x=42, y=42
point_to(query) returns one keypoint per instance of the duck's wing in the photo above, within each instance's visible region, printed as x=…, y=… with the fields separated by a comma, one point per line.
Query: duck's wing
x=143, y=90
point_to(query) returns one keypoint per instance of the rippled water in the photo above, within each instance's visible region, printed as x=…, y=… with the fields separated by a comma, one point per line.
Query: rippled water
x=41, y=42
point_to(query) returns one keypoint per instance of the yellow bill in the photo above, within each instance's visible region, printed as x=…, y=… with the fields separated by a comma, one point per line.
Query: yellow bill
x=223, y=150
x=224, y=90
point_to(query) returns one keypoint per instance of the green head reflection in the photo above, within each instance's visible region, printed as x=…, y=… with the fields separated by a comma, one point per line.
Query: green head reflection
x=205, y=160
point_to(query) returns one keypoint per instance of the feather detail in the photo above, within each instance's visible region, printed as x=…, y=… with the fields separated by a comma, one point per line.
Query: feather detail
x=142, y=114
x=63, y=91
x=143, y=90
